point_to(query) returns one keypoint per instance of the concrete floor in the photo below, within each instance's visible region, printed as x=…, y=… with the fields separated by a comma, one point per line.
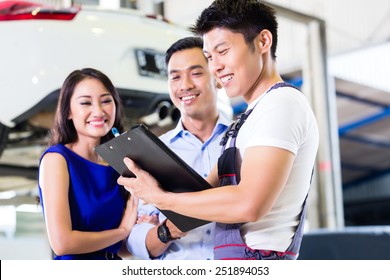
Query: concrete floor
x=22, y=228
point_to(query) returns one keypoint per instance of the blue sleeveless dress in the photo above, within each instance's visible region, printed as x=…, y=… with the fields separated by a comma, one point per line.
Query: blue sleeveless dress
x=96, y=201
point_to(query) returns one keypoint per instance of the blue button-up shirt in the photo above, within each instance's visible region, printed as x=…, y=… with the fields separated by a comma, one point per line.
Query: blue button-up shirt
x=198, y=244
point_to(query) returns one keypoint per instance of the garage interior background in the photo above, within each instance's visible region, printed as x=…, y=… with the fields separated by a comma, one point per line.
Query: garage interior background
x=357, y=88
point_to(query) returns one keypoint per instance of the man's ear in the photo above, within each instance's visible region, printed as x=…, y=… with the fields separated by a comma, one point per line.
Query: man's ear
x=264, y=40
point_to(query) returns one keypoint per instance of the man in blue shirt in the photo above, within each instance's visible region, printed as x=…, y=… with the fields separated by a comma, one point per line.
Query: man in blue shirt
x=193, y=90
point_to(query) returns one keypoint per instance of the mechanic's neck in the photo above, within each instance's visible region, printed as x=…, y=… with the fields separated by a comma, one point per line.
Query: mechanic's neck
x=266, y=79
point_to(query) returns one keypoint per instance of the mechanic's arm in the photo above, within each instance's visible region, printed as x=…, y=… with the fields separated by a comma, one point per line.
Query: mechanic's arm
x=264, y=172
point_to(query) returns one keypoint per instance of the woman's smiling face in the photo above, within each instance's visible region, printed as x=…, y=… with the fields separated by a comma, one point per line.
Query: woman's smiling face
x=92, y=109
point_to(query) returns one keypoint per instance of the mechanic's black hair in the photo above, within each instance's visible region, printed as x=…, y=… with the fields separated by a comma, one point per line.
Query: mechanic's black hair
x=248, y=17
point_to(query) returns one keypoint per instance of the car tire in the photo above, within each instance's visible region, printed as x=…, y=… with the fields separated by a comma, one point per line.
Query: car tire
x=4, y=131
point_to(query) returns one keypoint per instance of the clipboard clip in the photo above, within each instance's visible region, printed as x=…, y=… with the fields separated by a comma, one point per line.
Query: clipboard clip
x=115, y=131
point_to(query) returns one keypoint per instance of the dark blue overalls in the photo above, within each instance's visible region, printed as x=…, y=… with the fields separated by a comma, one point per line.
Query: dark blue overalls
x=228, y=243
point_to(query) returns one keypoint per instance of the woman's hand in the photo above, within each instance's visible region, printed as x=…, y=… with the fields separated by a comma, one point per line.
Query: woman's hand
x=143, y=185
x=151, y=219
x=130, y=214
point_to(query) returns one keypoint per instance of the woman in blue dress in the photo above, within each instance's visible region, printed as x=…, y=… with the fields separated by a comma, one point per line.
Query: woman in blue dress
x=87, y=213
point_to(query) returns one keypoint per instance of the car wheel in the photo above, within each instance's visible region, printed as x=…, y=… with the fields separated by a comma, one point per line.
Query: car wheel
x=4, y=130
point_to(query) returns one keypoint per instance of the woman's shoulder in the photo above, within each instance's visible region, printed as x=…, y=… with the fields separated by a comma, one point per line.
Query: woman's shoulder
x=54, y=151
x=57, y=148
x=54, y=156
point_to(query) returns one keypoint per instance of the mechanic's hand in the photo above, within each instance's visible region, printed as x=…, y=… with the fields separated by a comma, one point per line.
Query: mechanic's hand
x=143, y=185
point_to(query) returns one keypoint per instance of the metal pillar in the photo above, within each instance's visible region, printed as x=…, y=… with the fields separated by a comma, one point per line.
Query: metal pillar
x=327, y=189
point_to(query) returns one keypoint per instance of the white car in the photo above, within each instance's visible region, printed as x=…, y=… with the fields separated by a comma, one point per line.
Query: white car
x=41, y=45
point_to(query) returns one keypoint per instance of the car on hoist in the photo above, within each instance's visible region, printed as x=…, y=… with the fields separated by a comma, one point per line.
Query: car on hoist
x=41, y=45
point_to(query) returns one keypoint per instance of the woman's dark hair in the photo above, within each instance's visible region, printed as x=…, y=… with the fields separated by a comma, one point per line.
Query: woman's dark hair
x=248, y=17
x=183, y=44
x=63, y=130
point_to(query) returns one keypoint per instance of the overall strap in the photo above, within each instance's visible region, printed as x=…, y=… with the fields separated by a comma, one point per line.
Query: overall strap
x=241, y=118
x=234, y=128
x=228, y=243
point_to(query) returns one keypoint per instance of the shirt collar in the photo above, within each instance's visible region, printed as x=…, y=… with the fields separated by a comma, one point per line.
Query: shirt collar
x=223, y=123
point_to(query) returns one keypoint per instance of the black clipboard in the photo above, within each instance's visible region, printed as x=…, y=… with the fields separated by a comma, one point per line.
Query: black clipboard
x=152, y=155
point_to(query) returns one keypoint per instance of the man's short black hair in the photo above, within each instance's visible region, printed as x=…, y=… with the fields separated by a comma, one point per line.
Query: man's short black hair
x=248, y=17
x=183, y=44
